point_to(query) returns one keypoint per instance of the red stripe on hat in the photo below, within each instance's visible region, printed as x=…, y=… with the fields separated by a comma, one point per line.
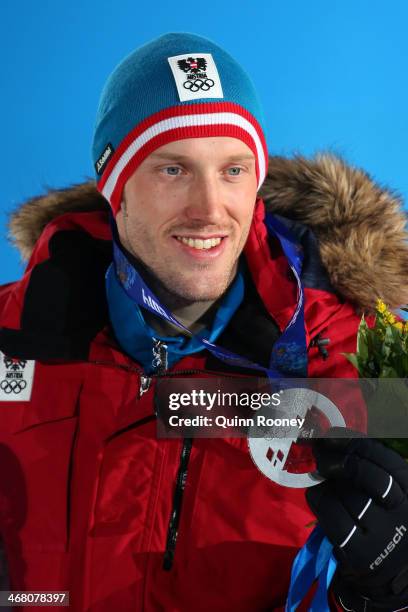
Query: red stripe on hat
x=176, y=111
x=195, y=131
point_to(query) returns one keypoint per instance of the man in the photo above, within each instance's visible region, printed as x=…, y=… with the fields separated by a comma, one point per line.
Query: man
x=91, y=501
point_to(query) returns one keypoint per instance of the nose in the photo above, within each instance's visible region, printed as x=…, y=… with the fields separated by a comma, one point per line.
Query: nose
x=205, y=203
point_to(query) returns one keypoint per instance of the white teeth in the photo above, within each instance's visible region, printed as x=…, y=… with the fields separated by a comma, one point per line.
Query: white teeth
x=198, y=243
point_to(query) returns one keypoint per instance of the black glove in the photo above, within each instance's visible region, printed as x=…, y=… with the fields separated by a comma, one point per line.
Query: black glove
x=363, y=509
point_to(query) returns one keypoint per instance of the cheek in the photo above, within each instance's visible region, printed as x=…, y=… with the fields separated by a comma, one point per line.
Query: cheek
x=242, y=200
x=244, y=212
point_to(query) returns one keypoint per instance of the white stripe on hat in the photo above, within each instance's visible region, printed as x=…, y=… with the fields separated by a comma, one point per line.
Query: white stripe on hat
x=180, y=122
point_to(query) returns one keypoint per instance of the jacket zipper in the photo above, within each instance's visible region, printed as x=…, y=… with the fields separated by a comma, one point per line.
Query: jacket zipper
x=172, y=531
x=160, y=364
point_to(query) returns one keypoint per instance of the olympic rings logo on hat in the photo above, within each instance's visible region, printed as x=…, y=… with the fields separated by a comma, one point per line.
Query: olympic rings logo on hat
x=198, y=84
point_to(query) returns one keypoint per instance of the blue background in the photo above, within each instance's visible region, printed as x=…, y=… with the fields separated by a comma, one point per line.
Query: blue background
x=331, y=75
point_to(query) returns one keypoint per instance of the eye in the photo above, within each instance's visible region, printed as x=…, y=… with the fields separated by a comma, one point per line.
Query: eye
x=172, y=170
x=234, y=171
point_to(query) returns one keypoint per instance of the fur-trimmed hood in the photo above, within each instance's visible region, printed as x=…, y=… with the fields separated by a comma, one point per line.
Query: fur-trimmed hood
x=360, y=226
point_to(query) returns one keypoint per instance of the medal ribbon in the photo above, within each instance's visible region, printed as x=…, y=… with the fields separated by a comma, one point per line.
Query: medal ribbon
x=315, y=561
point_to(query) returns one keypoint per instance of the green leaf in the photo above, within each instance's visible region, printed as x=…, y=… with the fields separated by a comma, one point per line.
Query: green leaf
x=362, y=344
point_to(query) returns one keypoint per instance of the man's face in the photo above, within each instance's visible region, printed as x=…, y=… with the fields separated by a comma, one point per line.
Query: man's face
x=186, y=214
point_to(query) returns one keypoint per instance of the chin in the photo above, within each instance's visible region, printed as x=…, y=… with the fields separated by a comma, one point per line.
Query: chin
x=198, y=287
x=198, y=293
x=199, y=296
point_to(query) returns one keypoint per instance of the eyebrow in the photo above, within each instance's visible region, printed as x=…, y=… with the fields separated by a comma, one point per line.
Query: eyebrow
x=181, y=158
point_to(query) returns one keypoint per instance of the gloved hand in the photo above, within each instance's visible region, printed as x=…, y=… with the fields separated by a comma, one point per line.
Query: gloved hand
x=363, y=509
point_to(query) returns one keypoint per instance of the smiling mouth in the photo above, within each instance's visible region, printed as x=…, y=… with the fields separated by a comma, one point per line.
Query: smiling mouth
x=200, y=243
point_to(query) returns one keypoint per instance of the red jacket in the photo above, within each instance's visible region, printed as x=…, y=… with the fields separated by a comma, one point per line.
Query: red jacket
x=86, y=488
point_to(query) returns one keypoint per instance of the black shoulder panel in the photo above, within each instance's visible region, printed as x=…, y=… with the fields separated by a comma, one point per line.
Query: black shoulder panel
x=65, y=304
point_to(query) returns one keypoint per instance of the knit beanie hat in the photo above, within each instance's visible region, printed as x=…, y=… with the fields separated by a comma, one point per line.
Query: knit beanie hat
x=177, y=86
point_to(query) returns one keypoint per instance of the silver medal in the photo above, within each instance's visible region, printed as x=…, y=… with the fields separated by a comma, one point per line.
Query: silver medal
x=269, y=453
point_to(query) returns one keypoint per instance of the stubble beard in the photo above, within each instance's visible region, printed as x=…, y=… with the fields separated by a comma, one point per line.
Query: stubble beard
x=177, y=290
x=200, y=287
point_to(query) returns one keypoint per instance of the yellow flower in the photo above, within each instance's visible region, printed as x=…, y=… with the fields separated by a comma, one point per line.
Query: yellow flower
x=406, y=327
x=390, y=318
x=399, y=325
x=381, y=307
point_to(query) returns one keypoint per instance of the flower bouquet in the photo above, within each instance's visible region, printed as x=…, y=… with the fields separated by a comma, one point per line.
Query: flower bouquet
x=382, y=353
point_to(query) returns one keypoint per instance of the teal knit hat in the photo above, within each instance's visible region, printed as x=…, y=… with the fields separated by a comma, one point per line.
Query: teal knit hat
x=177, y=86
